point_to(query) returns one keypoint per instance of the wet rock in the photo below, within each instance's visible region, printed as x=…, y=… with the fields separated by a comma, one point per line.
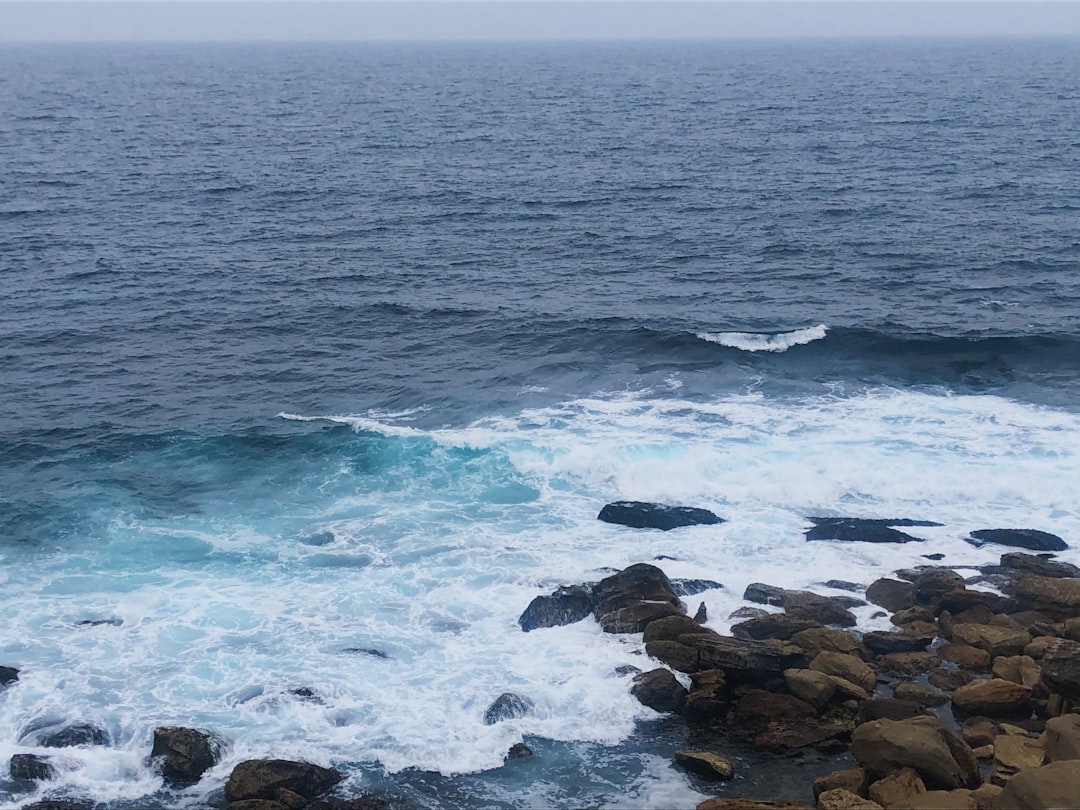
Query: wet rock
x=746, y=657
x=884, y=642
x=184, y=754
x=633, y=597
x=1040, y=566
x=995, y=640
x=936, y=557
x=659, y=690
x=1053, y=785
x=917, y=693
x=568, y=604
x=709, y=697
x=519, y=751
x=1058, y=598
x=680, y=657
x=31, y=768
x=279, y=780
x=747, y=613
x=790, y=735
x=940, y=756
x=891, y=594
x=959, y=600
x=73, y=735
x=852, y=779
x=1063, y=738
x=692, y=587
x=672, y=628
x=907, y=664
x=897, y=787
x=371, y=652
x=701, y=615
x=948, y=679
x=112, y=621
x=60, y=804
x=847, y=667
x=889, y=709
x=772, y=625
x=635, y=618
x=1061, y=668
x=763, y=594
x=842, y=585
x=840, y=799
x=8, y=675
x=1031, y=539
x=756, y=709
x=863, y=530
x=965, y=655
x=705, y=764
x=825, y=639
x=820, y=609
x=642, y=515
x=994, y=698
x=305, y=693
x=934, y=582
x=507, y=706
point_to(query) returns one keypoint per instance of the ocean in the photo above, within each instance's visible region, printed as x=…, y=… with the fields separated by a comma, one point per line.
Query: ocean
x=318, y=363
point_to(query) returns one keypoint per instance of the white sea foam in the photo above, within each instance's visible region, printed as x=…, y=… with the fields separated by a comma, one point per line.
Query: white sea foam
x=431, y=564
x=766, y=341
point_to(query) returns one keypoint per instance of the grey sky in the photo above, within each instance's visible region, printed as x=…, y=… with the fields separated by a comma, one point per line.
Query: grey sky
x=310, y=20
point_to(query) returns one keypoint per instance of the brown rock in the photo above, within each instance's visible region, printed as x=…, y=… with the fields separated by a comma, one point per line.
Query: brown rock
x=948, y=679
x=940, y=800
x=847, y=667
x=995, y=640
x=939, y=755
x=659, y=690
x=897, y=787
x=751, y=659
x=882, y=643
x=671, y=627
x=917, y=693
x=1061, y=667
x=679, y=657
x=889, y=709
x=980, y=731
x=840, y=799
x=774, y=625
x=983, y=752
x=1055, y=785
x=185, y=754
x=996, y=698
x=1058, y=598
x=891, y=594
x=965, y=655
x=825, y=639
x=821, y=609
x=1020, y=669
x=756, y=709
x=913, y=614
x=933, y=582
x=749, y=804
x=908, y=664
x=1063, y=738
x=852, y=779
x=816, y=688
x=789, y=735
x=705, y=764
x=709, y=697
x=986, y=796
x=635, y=618
x=1037, y=648
x=1013, y=753
x=269, y=778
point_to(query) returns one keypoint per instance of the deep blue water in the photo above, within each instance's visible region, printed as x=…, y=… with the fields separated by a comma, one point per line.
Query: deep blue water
x=523, y=280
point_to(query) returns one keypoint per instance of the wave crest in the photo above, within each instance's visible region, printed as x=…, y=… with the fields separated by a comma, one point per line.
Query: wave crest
x=766, y=341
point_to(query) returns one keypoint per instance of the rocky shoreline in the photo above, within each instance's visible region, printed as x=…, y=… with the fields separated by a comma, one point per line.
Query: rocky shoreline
x=971, y=701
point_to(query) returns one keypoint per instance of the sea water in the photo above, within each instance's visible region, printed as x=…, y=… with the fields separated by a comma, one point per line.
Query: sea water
x=319, y=362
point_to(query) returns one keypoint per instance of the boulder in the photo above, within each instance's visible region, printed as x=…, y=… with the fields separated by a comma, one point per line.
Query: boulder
x=692, y=587
x=749, y=658
x=891, y=594
x=279, y=780
x=1061, y=668
x=659, y=690
x=642, y=515
x=994, y=698
x=1057, y=597
x=507, y=706
x=672, y=628
x=917, y=693
x=820, y=609
x=980, y=731
x=184, y=754
x=965, y=655
x=816, y=688
x=940, y=756
x=923, y=614
x=756, y=709
x=847, y=667
x=882, y=642
x=748, y=613
x=772, y=625
x=1031, y=539
x=1013, y=753
x=852, y=779
x=948, y=679
x=840, y=799
x=705, y=764
x=708, y=699
x=1055, y=785
x=641, y=589
x=31, y=768
x=995, y=640
x=763, y=594
x=933, y=582
x=789, y=735
x=635, y=618
x=889, y=709
x=959, y=600
x=1020, y=669
x=1062, y=738
x=1016, y=561
x=568, y=604
x=73, y=735
x=821, y=639
x=8, y=675
x=60, y=804
x=908, y=664
x=897, y=787
x=519, y=751
x=680, y=657
x=863, y=530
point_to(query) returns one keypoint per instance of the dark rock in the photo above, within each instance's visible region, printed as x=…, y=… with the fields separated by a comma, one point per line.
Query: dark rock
x=641, y=515
x=747, y=613
x=626, y=669
x=8, y=675
x=185, y=754
x=707, y=702
x=1057, y=597
x=763, y=594
x=821, y=609
x=77, y=734
x=628, y=600
x=935, y=557
x=848, y=601
x=961, y=599
x=821, y=639
x=772, y=625
x=748, y=658
x=891, y=594
x=306, y=693
x=507, y=706
x=31, y=768
x=672, y=628
x=277, y=779
x=948, y=679
x=1019, y=538
x=568, y=604
x=60, y=804
x=863, y=530
x=917, y=693
x=682, y=657
x=692, y=587
x=369, y=651
x=794, y=734
x=367, y=802
x=659, y=690
x=519, y=751
x=842, y=585
x=882, y=642
x=1061, y=668
x=635, y=618
x=111, y=622
x=933, y=582
x=1040, y=566
x=889, y=709
x=701, y=615
x=757, y=709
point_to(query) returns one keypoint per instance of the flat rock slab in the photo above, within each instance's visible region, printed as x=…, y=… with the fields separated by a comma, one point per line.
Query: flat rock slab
x=864, y=530
x=705, y=764
x=643, y=515
x=1031, y=539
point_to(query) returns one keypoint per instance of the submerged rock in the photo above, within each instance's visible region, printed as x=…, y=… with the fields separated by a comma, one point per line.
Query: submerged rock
x=643, y=515
x=185, y=754
x=73, y=735
x=863, y=530
x=31, y=768
x=659, y=690
x=566, y=605
x=891, y=594
x=8, y=675
x=279, y=780
x=507, y=706
x=519, y=751
x=692, y=587
x=1031, y=539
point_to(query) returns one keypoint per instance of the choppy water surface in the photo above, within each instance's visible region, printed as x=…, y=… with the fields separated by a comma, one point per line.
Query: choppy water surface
x=311, y=351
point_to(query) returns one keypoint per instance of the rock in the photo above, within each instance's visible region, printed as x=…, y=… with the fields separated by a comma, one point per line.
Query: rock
x=1061, y=668
x=701, y=615
x=921, y=614
x=772, y=625
x=883, y=642
x=371, y=652
x=8, y=675
x=763, y=594
x=279, y=780
x=659, y=690
x=986, y=796
x=678, y=656
x=965, y=655
x=692, y=587
x=1057, y=597
x=74, y=735
x=852, y=779
x=1063, y=738
x=863, y=530
x=632, y=597
x=1055, y=785
x=939, y=800
x=996, y=698
x=59, y=804
x=568, y=604
x=789, y=735
x=934, y=582
x=840, y=799
x=897, y=787
x=635, y=618
x=1038, y=646
x=724, y=803
x=185, y=754
x=756, y=709
x=889, y=709
x=705, y=764
x=751, y=659
x=31, y=768
x=291, y=803
x=1013, y=753
x=891, y=594
x=959, y=600
x=940, y=756
x=816, y=688
x=507, y=706
x=747, y=613
x=1031, y=539
x=847, y=667
x=672, y=628
x=707, y=702
x=907, y=664
x=642, y=515
x=917, y=693
x=948, y=679
x=519, y=751
x=822, y=639
x=995, y=640
x=842, y=585
x=1040, y=566
x=980, y=731
x=1020, y=669
x=821, y=609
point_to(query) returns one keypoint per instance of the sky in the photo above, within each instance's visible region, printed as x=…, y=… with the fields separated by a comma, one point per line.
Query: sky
x=515, y=20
